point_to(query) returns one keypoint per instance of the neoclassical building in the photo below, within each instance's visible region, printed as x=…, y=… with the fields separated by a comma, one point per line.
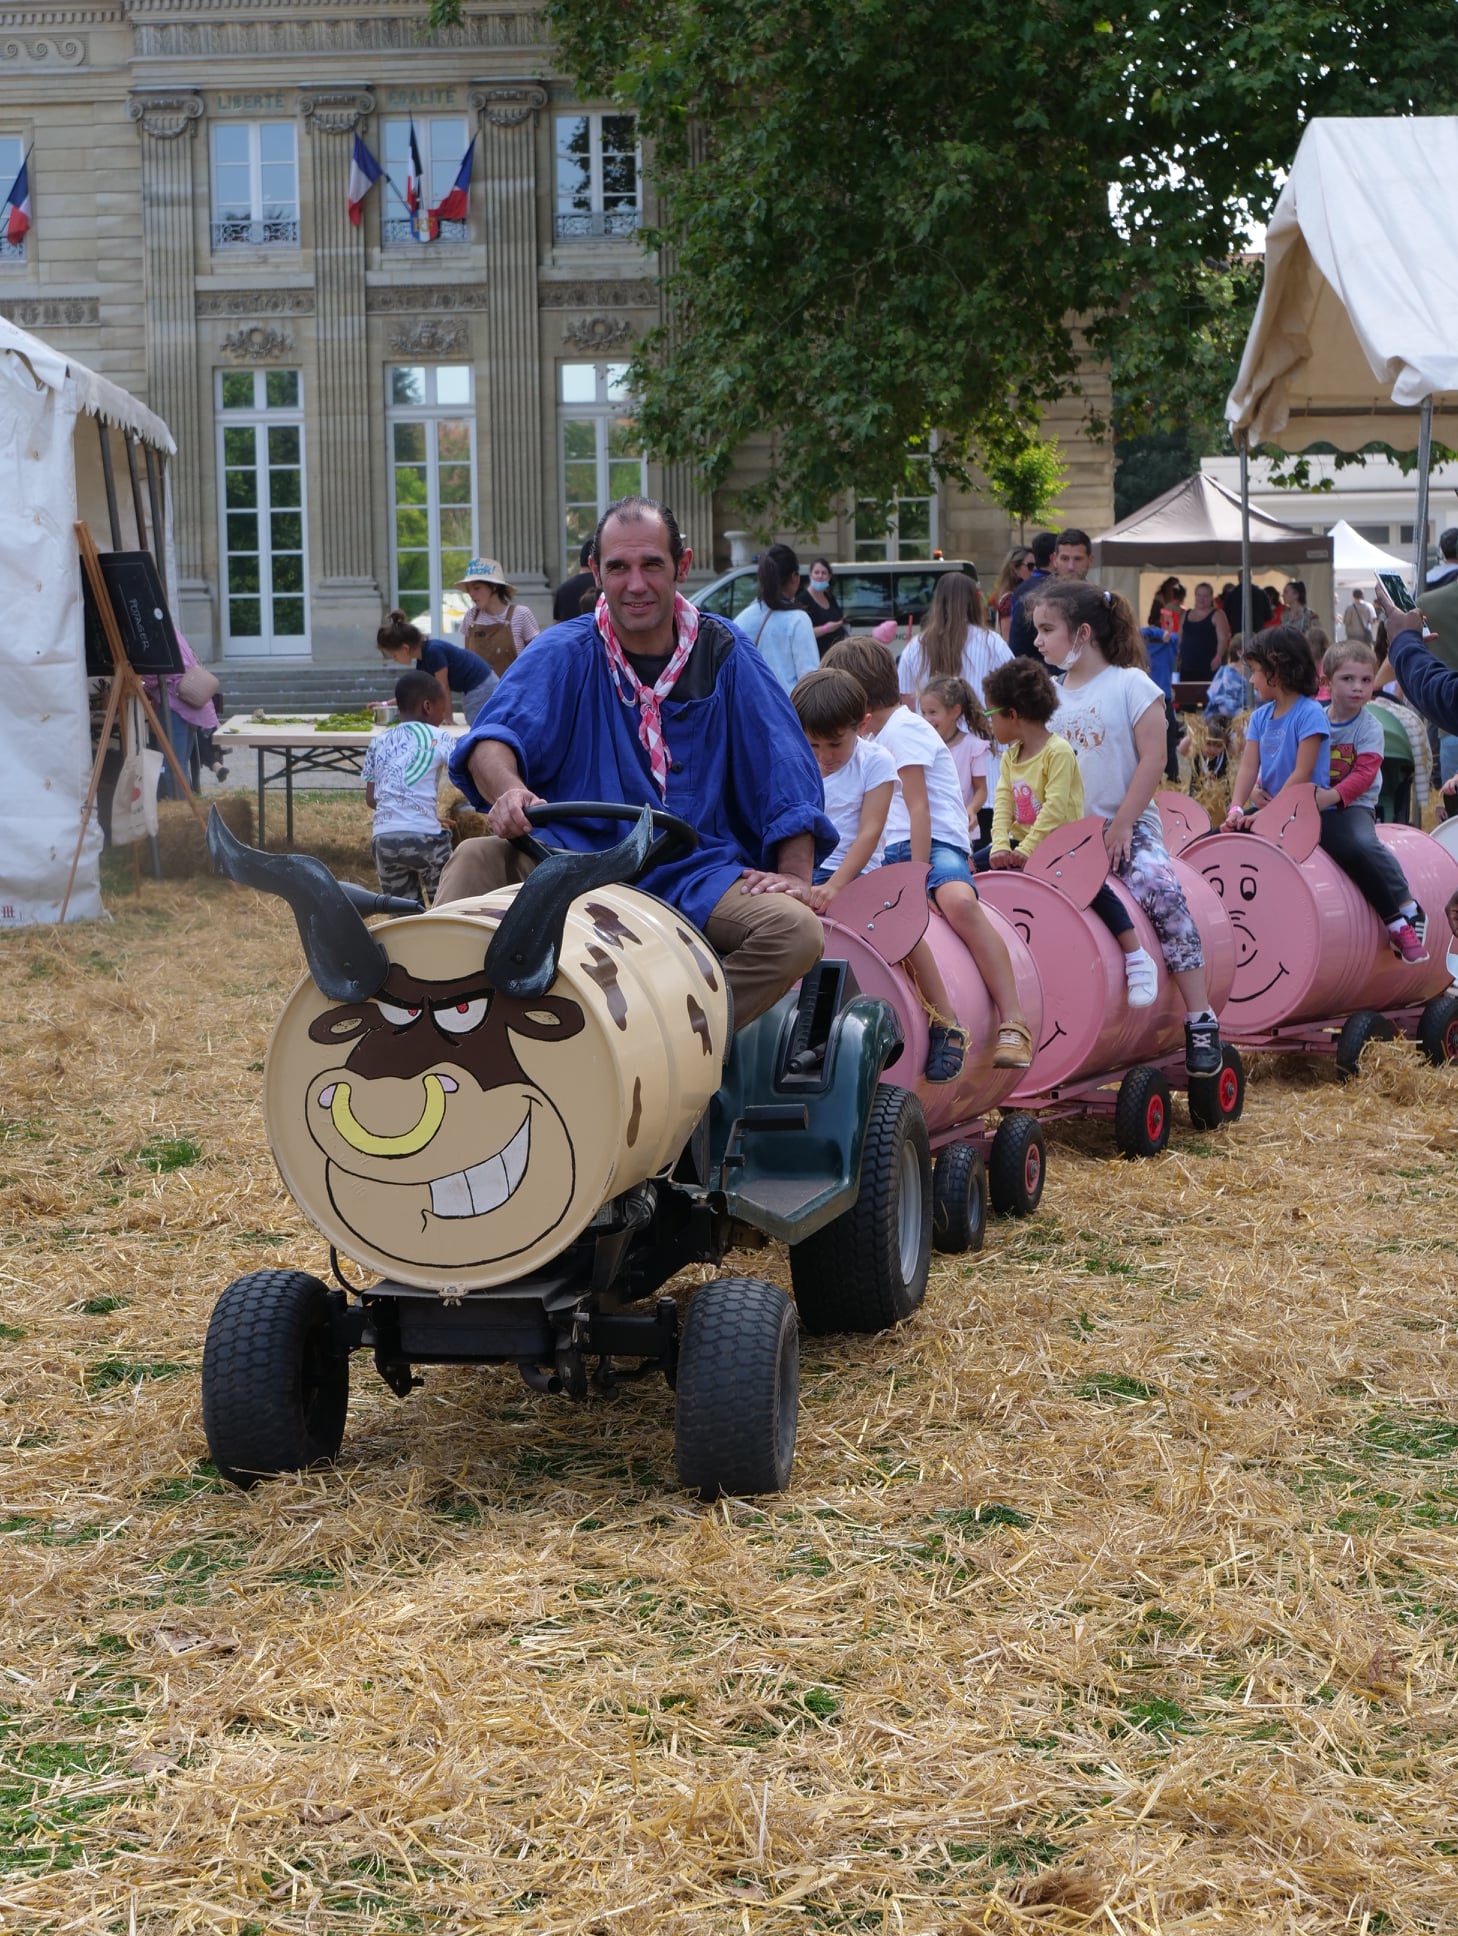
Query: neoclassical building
x=360, y=408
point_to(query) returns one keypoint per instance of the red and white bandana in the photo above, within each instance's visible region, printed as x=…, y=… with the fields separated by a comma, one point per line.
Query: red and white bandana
x=649, y=699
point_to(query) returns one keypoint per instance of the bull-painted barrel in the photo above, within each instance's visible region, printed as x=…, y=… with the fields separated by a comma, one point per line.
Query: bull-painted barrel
x=452, y=1136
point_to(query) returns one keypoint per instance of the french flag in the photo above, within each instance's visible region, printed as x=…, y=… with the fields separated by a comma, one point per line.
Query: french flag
x=455, y=205
x=19, y=201
x=364, y=172
x=413, y=173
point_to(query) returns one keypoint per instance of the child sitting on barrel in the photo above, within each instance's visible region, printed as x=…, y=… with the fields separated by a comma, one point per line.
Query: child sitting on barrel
x=402, y=769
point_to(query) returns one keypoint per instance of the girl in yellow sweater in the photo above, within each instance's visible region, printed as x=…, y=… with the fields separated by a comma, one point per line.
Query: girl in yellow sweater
x=1039, y=789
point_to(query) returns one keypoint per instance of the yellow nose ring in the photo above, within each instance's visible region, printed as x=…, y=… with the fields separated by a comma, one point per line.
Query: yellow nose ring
x=336, y=1100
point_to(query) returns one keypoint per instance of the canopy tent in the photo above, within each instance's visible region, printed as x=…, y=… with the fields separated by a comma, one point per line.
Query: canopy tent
x=1194, y=531
x=1353, y=340
x=61, y=426
x=1353, y=559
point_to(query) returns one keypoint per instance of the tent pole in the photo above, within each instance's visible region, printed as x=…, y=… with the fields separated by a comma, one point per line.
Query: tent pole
x=1420, y=528
x=1245, y=624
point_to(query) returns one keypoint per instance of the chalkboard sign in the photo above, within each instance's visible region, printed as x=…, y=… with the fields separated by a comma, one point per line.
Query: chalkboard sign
x=142, y=617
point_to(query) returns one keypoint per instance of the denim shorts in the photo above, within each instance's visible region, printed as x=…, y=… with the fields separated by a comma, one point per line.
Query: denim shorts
x=821, y=876
x=948, y=863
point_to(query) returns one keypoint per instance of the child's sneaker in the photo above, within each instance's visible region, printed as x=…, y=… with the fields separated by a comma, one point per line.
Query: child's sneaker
x=1142, y=977
x=1203, y=1054
x=1014, y=1046
x=946, y=1051
x=1406, y=944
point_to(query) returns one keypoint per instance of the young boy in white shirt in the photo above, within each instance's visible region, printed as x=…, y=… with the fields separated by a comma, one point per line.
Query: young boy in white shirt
x=857, y=775
x=401, y=772
x=927, y=821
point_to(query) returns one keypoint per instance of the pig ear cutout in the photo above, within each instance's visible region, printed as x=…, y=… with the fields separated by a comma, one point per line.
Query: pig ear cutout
x=887, y=907
x=1182, y=819
x=1074, y=858
x=1292, y=822
x=545, y=1018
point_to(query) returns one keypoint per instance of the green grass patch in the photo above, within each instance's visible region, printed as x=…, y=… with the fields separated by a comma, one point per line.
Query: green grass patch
x=1157, y=1717
x=1409, y=1435
x=979, y=1520
x=165, y=1153
x=107, y=1373
x=10, y=1334
x=186, y=1485
x=100, y=1307
x=1114, y=1388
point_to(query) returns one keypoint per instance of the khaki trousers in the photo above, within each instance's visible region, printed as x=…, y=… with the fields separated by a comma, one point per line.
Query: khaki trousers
x=766, y=941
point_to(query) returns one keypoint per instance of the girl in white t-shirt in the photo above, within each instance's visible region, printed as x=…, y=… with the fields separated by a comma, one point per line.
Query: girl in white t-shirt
x=955, y=642
x=950, y=708
x=1112, y=713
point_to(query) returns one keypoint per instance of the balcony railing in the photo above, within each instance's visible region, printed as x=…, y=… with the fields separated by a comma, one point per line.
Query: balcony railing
x=395, y=231
x=608, y=221
x=276, y=232
x=11, y=251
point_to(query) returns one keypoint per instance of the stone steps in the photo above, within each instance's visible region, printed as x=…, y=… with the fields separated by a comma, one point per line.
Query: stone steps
x=282, y=688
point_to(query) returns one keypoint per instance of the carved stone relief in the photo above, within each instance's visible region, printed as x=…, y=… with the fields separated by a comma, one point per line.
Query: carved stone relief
x=53, y=312
x=598, y=333
x=256, y=302
x=36, y=52
x=598, y=295
x=334, y=110
x=428, y=339
x=256, y=343
x=507, y=104
x=165, y=116
x=346, y=37
x=407, y=297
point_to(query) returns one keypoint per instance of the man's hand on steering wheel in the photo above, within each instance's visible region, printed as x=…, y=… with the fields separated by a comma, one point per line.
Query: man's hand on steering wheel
x=507, y=818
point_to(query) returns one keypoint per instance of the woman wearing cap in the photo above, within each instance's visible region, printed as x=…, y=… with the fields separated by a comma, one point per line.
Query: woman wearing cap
x=494, y=628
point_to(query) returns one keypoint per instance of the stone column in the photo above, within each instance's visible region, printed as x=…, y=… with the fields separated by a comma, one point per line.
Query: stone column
x=168, y=123
x=512, y=386
x=683, y=491
x=345, y=598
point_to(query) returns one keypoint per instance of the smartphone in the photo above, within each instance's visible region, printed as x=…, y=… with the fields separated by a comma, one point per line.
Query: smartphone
x=1402, y=598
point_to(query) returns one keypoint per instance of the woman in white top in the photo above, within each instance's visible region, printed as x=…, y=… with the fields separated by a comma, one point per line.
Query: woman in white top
x=954, y=643
x=782, y=632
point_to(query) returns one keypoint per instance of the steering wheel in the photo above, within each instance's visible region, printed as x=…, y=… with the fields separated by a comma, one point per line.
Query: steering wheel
x=675, y=836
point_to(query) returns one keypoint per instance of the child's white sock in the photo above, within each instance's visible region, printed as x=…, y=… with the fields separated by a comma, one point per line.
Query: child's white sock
x=1195, y=1016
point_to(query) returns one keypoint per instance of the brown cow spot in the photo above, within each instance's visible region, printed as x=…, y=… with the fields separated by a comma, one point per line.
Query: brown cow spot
x=611, y=926
x=704, y=962
x=604, y=971
x=637, y=1116
x=700, y=1023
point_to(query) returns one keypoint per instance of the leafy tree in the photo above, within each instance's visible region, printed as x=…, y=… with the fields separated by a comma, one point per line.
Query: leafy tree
x=1024, y=478
x=884, y=217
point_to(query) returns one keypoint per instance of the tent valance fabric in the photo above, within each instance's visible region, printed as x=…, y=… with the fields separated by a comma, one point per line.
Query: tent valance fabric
x=1352, y=554
x=1197, y=523
x=94, y=395
x=1354, y=327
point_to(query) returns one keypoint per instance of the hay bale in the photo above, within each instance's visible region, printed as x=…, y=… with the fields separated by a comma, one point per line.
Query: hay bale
x=462, y=820
x=180, y=839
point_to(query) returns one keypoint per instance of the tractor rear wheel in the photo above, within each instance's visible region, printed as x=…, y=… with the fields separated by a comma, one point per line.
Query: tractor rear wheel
x=737, y=1389
x=275, y=1377
x=867, y=1270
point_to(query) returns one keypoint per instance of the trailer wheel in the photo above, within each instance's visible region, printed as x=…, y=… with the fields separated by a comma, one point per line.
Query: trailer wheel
x=1365, y=1026
x=1141, y=1113
x=959, y=1199
x=275, y=1380
x=738, y=1389
x=1018, y=1165
x=1438, y=1029
x=1217, y=1100
x=867, y=1270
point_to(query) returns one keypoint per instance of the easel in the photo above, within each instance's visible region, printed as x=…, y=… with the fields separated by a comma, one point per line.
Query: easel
x=126, y=684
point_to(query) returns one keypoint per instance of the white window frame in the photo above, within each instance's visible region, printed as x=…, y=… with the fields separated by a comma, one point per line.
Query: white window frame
x=887, y=548
x=394, y=216
x=431, y=414
x=262, y=416
x=12, y=252
x=603, y=412
x=259, y=230
x=570, y=222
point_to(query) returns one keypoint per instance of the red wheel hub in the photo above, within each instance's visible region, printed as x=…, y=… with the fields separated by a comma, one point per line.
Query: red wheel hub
x=1032, y=1169
x=1228, y=1092
x=1154, y=1118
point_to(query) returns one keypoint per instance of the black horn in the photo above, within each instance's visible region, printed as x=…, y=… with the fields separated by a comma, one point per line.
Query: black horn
x=345, y=960
x=522, y=957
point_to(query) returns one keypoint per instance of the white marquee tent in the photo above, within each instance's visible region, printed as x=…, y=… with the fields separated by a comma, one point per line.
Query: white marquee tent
x=1354, y=339
x=1354, y=560
x=56, y=417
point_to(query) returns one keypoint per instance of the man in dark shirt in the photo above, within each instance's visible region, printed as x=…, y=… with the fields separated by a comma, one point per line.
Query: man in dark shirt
x=1021, y=638
x=567, y=599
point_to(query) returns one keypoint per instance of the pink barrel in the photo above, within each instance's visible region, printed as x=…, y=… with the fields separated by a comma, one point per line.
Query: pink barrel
x=1308, y=945
x=1089, y=1028
x=849, y=937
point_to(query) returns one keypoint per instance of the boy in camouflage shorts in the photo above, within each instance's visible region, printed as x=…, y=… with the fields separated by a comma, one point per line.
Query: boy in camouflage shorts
x=402, y=769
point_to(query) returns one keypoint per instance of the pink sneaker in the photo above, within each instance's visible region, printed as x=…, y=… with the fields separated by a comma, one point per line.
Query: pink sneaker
x=1405, y=943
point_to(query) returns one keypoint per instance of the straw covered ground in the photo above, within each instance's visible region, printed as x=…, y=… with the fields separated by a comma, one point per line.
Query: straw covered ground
x=1117, y=1591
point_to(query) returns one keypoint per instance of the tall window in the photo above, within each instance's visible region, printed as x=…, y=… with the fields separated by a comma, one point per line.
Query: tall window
x=12, y=149
x=261, y=490
x=907, y=528
x=441, y=140
x=599, y=175
x=601, y=456
x=432, y=431
x=255, y=185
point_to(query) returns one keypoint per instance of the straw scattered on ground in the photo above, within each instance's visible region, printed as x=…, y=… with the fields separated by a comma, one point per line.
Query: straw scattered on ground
x=1116, y=1591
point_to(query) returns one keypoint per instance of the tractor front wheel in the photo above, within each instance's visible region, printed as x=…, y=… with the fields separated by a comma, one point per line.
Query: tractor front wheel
x=738, y=1389
x=275, y=1376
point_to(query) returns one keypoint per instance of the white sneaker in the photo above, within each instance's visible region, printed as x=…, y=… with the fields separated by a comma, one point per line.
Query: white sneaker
x=1143, y=979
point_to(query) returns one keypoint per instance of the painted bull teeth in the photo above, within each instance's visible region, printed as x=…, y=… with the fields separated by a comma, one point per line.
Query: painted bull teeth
x=485, y=1186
